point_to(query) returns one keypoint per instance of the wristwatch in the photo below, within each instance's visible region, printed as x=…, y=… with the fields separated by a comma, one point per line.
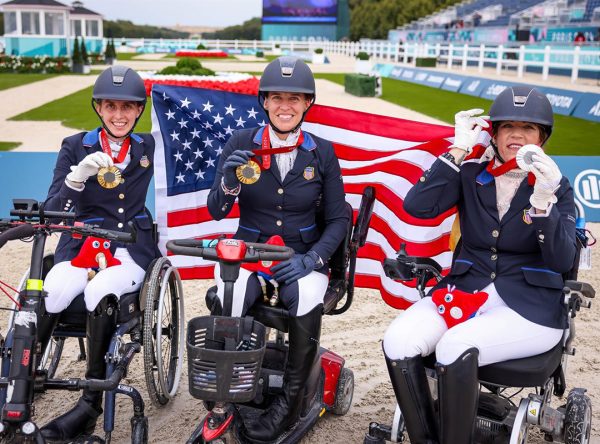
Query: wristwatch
x=450, y=157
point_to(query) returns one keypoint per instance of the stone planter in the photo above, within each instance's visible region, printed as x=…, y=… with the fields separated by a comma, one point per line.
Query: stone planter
x=77, y=68
x=318, y=59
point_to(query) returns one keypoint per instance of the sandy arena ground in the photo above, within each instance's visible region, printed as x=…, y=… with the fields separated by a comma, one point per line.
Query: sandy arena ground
x=355, y=335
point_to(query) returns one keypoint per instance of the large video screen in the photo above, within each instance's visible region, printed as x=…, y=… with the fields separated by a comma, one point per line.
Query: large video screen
x=299, y=11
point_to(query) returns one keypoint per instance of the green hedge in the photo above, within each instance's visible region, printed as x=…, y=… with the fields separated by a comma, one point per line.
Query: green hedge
x=360, y=85
x=27, y=65
x=188, y=66
x=426, y=62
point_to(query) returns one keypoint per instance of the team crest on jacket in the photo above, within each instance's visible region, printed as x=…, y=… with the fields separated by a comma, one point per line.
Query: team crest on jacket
x=527, y=217
x=309, y=173
x=144, y=161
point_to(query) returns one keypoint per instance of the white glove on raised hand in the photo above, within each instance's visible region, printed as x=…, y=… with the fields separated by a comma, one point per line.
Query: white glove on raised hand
x=468, y=125
x=89, y=166
x=547, y=181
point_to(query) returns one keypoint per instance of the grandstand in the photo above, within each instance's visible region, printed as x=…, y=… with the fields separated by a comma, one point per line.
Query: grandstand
x=519, y=14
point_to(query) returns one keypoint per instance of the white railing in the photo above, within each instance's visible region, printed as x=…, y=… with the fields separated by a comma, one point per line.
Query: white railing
x=501, y=57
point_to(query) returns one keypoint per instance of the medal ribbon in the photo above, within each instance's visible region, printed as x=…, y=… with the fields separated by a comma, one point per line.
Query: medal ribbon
x=266, y=149
x=106, y=147
x=505, y=167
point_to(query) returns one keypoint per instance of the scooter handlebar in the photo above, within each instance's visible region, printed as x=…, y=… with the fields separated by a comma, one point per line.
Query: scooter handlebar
x=206, y=249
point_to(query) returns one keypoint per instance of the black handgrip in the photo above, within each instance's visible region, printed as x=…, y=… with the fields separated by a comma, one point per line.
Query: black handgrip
x=191, y=247
x=18, y=232
x=112, y=235
x=47, y=214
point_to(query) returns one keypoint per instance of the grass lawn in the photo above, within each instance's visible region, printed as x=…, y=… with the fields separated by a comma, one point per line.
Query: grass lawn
x=75, y=111
x=127, y=55
x=10, y=80
x=7, y=146
x=571, y=136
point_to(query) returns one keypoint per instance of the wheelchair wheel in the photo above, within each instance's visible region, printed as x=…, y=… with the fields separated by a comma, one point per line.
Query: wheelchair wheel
x=520, y=428
x=344, y=392
x=578, y=417
x=51, y=357
x=163, y=330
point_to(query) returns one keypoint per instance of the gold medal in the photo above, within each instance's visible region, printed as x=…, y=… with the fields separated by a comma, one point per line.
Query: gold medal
x=109, y=177
x=248, y=173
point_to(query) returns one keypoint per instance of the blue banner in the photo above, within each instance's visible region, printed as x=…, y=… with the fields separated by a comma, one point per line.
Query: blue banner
x=435, y=80
x=473, y=87
x=584, y=175
x=453, y=83
x=589, y=107
x=494, y=88
x=563, y=101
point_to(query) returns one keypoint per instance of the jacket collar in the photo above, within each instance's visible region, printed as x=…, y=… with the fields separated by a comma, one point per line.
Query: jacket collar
x=309, y=143
x=93, y=137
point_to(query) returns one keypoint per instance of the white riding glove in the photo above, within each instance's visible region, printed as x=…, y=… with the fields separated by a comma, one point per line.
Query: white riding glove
x=89, y=166
x=547, y=181
x=468, y=125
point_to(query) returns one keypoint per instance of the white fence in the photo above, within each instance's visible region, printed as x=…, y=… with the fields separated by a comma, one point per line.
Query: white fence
x=570, y=59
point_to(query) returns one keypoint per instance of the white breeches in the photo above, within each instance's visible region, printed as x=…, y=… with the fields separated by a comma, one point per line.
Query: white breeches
x=65, y=282
x=498, y=332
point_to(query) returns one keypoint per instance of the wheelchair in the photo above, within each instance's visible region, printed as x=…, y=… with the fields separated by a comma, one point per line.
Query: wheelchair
x=499, y=419
x=239, y=383
x=152, y=318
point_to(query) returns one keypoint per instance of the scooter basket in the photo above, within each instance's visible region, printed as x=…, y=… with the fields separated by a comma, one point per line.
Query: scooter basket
x=224, y=357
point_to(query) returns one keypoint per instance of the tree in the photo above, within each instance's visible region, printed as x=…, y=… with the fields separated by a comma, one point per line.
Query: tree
x=125, y=28
x=84, y=54
x=76, y=56
x=249, y=30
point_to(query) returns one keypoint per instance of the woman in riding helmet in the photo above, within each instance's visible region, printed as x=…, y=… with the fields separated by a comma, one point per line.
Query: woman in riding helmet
x=303, y=174
x=103, y=177
x=518, y=238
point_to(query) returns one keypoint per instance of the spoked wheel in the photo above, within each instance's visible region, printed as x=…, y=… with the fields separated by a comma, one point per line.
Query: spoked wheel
x=578, y=417
x=163, y=332
x=520, y=427
x=51, y=357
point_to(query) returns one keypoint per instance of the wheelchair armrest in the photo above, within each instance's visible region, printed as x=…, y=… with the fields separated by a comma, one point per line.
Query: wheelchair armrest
x=583, y=288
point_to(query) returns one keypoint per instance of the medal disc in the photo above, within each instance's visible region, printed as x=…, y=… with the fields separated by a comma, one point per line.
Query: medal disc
x=109, y=177
x=248, y=173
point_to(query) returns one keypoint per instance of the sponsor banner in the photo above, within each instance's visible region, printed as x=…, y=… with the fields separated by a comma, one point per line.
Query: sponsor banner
x=473, y=87
x=588, y=107
x=420, y=77
x=583, y=173
x=435, y=80
x=453, y=83
x=408, y=75
x=384, y=70
x=494, y=88
x=563, y=101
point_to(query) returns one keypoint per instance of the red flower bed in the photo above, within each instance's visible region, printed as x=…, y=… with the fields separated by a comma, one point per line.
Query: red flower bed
x=195, y=53
x=249, y=86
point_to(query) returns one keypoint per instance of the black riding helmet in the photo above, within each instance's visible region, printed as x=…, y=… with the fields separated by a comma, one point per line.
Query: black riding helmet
x=119, y=83
x=522, y=104
x=286, y=74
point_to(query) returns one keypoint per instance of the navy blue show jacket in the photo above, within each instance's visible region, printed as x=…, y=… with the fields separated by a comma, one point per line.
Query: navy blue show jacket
x=524, y=257
x=113, y=208
x=289, y=207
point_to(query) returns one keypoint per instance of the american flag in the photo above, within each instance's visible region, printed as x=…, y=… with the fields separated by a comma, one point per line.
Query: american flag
x=191, y=127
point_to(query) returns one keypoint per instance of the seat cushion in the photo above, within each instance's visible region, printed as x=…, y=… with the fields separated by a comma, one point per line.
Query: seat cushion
x=533, y=371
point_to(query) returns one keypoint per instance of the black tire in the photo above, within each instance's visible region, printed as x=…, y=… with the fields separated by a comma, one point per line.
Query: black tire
x=162, y=291
x=578, y=417
x=139, y=430
x=344, y=392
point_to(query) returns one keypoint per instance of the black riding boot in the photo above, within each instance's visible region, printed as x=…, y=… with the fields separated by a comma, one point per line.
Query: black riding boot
x=303, y=354
x=81, y=419
x=46, y=322
x=414, y=398
x=458, y=395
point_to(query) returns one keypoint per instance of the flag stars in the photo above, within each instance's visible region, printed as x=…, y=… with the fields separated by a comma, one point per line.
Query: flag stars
x=251, y=113
x=229, y=130
x=220, y=135
x=199, y=175
x=195, y=134
x=229, y=110
x=207, y=142
x=178, y=156
x=185, y=103
x=165, y=97
x=263, y=123
x=187, y=145
x=196, y=114
x=170, y=115
x=180, y=178
x=198, y=153
x=218, y=118
x=218, y=151
x=240, y=122
x=189, y=165
x=182, y=123
x=207, y=106
x=210, y=162
x=208, y=125
x=174, y=135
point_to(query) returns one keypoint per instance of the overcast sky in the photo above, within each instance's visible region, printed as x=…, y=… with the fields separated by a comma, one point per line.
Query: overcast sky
x=171, y=12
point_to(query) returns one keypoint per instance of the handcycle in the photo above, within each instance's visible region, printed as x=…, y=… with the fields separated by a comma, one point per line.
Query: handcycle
x=234, y=367
x=499, y=419
x=150, y=328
